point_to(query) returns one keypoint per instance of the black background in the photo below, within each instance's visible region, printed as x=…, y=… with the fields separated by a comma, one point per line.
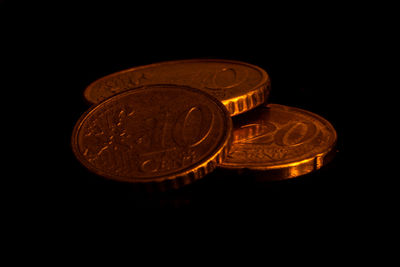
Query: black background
x=313, y=60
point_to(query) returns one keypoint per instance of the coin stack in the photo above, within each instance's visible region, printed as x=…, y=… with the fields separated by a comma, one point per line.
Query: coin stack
x=165, y=125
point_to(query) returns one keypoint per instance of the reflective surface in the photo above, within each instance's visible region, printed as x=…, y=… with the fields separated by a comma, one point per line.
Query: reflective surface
x=280, y=142
x=240, y=86
x=159, y=135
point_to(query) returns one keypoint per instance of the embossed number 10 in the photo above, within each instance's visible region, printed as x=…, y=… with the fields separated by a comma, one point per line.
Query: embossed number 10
x=188, y=130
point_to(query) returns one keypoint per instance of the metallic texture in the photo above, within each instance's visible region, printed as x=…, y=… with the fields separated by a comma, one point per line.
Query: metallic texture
x=159, y=136
x=239, y=86
x=279, y=142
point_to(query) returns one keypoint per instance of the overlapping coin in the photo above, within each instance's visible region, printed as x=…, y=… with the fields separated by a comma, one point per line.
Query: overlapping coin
x=160, y=136
x=238, y=85
x=168, y=124
x=280, y=142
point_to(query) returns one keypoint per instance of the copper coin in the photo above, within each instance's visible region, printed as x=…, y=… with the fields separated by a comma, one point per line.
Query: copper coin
x=162, y=135
x=280, y=142
x=239, y=86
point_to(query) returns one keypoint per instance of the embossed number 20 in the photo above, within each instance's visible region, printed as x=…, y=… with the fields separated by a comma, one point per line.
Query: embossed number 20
x=292, y=134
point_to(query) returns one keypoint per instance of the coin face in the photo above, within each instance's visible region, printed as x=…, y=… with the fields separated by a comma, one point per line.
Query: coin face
x=280, y=142
x=239, y=86
x=159, y=134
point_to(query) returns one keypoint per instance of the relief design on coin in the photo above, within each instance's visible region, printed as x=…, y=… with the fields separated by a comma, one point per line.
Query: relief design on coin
x=240, y=86
x=279, y=137
x=153, y=134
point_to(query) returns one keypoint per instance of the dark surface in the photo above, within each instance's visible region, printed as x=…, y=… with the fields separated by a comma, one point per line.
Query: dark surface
x=305, y=72
x=311, y=61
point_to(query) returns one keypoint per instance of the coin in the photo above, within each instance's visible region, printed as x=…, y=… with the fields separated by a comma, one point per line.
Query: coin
x=160, y=136
x=279, y=142
x=239, y=86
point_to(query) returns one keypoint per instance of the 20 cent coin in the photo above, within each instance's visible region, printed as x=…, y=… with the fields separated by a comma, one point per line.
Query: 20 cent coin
x=280, y=142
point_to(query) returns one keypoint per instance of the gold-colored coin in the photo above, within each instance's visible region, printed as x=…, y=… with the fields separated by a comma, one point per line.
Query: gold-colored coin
x=239, y=86
x=279, y=142
x=157, y=135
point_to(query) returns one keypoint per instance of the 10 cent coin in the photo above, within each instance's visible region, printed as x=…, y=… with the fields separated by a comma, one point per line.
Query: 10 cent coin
x=158, y=135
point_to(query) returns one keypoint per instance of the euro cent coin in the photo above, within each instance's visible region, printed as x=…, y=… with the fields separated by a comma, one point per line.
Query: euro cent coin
x=238, y=85
x=160, y=136
x=279, y=142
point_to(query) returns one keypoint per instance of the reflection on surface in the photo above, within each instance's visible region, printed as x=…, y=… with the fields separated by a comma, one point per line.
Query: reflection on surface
x=221, y=188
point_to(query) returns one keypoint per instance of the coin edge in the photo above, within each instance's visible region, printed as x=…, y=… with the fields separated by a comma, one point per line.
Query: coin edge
x=168, y=181
x=264, y=83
